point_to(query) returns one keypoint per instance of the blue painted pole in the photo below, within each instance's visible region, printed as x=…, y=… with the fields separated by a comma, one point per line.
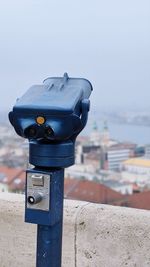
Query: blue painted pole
x=49, y=237
x=49, y=245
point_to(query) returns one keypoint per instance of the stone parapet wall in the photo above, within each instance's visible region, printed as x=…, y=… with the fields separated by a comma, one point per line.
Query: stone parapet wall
x=94, y=235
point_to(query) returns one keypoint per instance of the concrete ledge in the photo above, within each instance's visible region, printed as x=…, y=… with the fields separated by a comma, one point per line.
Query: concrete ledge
x=94, y=235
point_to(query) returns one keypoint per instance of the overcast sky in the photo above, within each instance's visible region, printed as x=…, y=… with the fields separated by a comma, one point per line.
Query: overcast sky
x=105, y=41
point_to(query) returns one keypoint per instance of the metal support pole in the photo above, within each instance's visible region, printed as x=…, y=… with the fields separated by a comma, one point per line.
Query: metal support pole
x=46, y=213
x=49, y=243
x=49, y=237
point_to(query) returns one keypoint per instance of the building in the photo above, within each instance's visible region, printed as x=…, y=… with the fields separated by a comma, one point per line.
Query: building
x=11, y=179
x=95, y=136
x=137, y=201
x=118, y=153
x=147, y=151
x=85, y=150
x=137, y=165
x=101, y=138
x=94, y=159
x=136, y=170
x=105, y=136
x=119, y=186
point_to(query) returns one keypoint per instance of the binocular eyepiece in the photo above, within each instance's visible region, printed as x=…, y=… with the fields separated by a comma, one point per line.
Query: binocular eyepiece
x=36, y=131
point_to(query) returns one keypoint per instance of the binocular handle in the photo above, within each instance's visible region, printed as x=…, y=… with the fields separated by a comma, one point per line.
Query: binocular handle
x=85, y=107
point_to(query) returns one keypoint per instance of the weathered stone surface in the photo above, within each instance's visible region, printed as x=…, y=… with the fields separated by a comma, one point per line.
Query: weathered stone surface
x=110, y=236
x=71, y=210
x=94, y=235
x=18, y=239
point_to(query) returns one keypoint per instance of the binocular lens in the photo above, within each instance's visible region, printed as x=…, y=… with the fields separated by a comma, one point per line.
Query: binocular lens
x=37, y=132
x=48, y=132
x=32, y=132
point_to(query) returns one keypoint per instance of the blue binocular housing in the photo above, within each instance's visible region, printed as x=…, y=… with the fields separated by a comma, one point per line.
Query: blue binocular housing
x=52, y=114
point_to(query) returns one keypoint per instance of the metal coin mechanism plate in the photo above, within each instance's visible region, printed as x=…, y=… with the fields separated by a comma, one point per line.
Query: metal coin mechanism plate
x=38, y=183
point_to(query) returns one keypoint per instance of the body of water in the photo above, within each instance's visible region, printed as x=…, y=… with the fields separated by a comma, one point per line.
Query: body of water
x=124, y=132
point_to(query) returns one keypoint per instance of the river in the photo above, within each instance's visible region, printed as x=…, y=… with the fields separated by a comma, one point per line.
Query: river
x=124, y=132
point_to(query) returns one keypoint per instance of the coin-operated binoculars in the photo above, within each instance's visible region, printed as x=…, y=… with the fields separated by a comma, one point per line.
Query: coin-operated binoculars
x=50, y=116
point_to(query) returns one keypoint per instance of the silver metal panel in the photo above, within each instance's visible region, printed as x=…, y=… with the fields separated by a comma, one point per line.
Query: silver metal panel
x=38, y=180
x=39, y=183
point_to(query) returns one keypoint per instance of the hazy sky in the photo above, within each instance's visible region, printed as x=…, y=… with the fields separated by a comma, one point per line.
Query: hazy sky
x=106, y=41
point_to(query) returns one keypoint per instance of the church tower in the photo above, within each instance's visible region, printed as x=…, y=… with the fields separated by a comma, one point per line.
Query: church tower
x=95, y=135
x=105, y=136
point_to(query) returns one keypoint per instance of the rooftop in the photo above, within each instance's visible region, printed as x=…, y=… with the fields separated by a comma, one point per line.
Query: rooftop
x=123, y=146
x=142, y=162
x=137, y=200
x=8, y=175
x=90, y=191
